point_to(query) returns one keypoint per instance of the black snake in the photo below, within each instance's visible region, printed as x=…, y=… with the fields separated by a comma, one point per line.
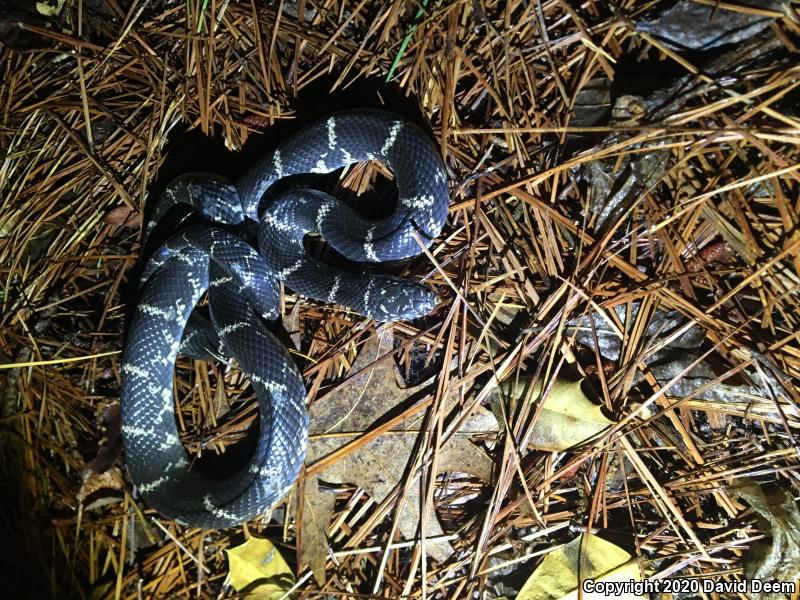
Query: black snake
x=242, y=286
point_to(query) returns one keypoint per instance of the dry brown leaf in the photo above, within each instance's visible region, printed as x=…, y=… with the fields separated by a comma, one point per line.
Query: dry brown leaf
x=779, y=558
x=101, y=479
x=111, y=447
x=101, y=489
x=124, y=216
x=379, y=465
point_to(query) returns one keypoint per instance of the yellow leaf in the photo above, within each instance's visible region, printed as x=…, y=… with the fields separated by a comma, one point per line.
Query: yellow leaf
x=50, y=9
x=567, y=418
x=556, y=578
x=258, y=566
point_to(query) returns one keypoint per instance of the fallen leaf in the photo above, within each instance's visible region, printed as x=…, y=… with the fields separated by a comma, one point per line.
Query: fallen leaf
x=679, y=348
x=124, y=216
x=718, y=253
x=778, y=516
x=567, y=418
x=595, y=558
x=39, y=242
x=686, y=25
x=603, y=330
x=50, y=8
x=616, y=184
x=258, y=566
x=100, y=489
x=101, y=480
x=111, y=446
x=257, y=122
x=291, y=323
x=378, y=466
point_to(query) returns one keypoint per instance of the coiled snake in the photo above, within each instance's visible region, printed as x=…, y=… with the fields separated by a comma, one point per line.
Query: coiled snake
x=242, y=286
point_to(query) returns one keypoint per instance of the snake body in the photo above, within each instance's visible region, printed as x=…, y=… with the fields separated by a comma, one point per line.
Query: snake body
x=242, y=284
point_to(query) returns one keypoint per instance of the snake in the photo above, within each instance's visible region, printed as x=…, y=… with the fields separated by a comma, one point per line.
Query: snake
x=247, y=239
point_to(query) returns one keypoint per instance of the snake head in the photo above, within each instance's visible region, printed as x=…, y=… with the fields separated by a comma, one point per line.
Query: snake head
x=399, y=299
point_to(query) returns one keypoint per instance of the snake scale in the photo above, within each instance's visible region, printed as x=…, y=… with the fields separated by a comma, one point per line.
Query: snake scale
x=240, y=271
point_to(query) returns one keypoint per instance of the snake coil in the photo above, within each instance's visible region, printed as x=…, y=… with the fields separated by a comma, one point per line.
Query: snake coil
x=242, y=287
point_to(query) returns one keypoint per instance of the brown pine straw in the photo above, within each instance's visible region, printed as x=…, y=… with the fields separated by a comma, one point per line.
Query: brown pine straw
x=88, y=117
